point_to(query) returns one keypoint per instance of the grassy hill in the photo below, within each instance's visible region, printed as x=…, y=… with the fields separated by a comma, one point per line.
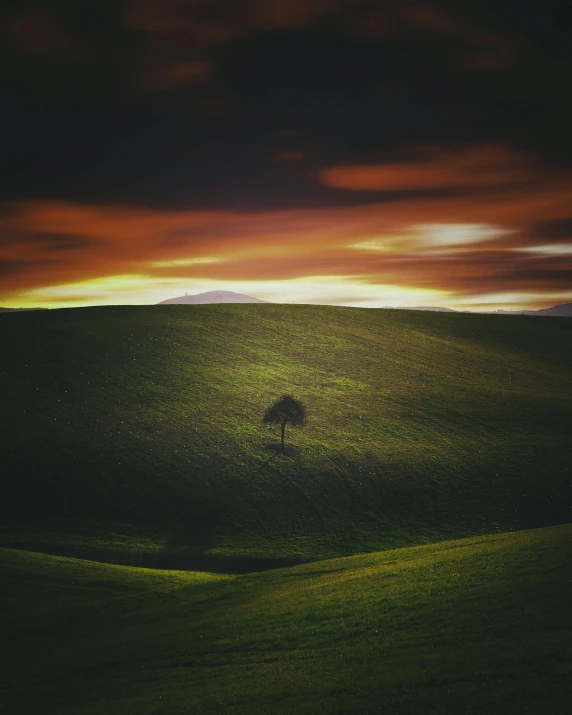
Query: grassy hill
x=134, y=434
x=476, y=626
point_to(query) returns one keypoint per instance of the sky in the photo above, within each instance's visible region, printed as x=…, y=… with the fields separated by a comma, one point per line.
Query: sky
x=346, y=152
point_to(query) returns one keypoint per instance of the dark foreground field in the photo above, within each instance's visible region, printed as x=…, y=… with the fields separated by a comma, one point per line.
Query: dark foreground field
x=476, y=626
x=134, y=434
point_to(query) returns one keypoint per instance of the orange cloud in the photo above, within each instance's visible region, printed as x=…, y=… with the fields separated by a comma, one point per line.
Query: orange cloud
x=478, y=166
x=463, y=245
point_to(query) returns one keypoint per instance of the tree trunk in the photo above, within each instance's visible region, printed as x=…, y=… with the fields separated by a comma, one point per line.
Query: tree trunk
x=283, y=430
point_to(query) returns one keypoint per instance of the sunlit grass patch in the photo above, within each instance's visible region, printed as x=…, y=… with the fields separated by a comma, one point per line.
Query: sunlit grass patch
x=138, y=430
x=480, y=625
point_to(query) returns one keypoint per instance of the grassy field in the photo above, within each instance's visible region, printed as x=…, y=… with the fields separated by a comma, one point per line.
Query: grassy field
x=482, y=625
x=134, y=434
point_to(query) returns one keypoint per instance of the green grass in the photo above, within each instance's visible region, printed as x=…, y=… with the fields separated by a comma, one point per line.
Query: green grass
x=134, y=434
x=482, y=625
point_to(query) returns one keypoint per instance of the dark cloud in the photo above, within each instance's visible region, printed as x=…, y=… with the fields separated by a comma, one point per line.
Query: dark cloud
x=48, y=242
x=65, y=242
x=557, y=229
x=555, y=277
x=11, y=267
x=188, y=104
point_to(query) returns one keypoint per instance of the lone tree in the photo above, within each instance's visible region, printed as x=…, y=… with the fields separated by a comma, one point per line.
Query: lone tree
x=285, y=410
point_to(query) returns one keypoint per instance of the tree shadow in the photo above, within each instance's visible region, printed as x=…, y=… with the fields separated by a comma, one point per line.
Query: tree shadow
x=289, y=450
x=187, y=546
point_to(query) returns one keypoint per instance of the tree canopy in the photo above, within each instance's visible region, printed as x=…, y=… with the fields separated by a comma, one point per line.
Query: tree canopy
x=286, y=410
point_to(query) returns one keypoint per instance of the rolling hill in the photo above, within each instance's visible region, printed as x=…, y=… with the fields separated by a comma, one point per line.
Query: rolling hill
x=480, y=626
x=134, y=434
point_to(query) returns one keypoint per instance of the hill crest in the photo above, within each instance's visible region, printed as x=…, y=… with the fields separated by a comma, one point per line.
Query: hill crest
x=143, y=425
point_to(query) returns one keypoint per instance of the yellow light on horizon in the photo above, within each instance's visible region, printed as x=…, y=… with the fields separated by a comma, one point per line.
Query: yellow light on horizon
x=142, y=289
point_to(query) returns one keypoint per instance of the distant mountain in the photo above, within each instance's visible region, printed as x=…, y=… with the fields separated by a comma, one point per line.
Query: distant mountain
x=563, y=311
x=18, y=310
x=213, y=296
x=434, y=310
x=421, y=307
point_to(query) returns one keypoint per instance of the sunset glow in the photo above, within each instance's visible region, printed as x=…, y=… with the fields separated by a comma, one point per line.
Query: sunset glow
x=282, y=159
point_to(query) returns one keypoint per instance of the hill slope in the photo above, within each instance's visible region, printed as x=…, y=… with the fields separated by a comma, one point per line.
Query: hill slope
x=477, y=626
x=137, y=430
